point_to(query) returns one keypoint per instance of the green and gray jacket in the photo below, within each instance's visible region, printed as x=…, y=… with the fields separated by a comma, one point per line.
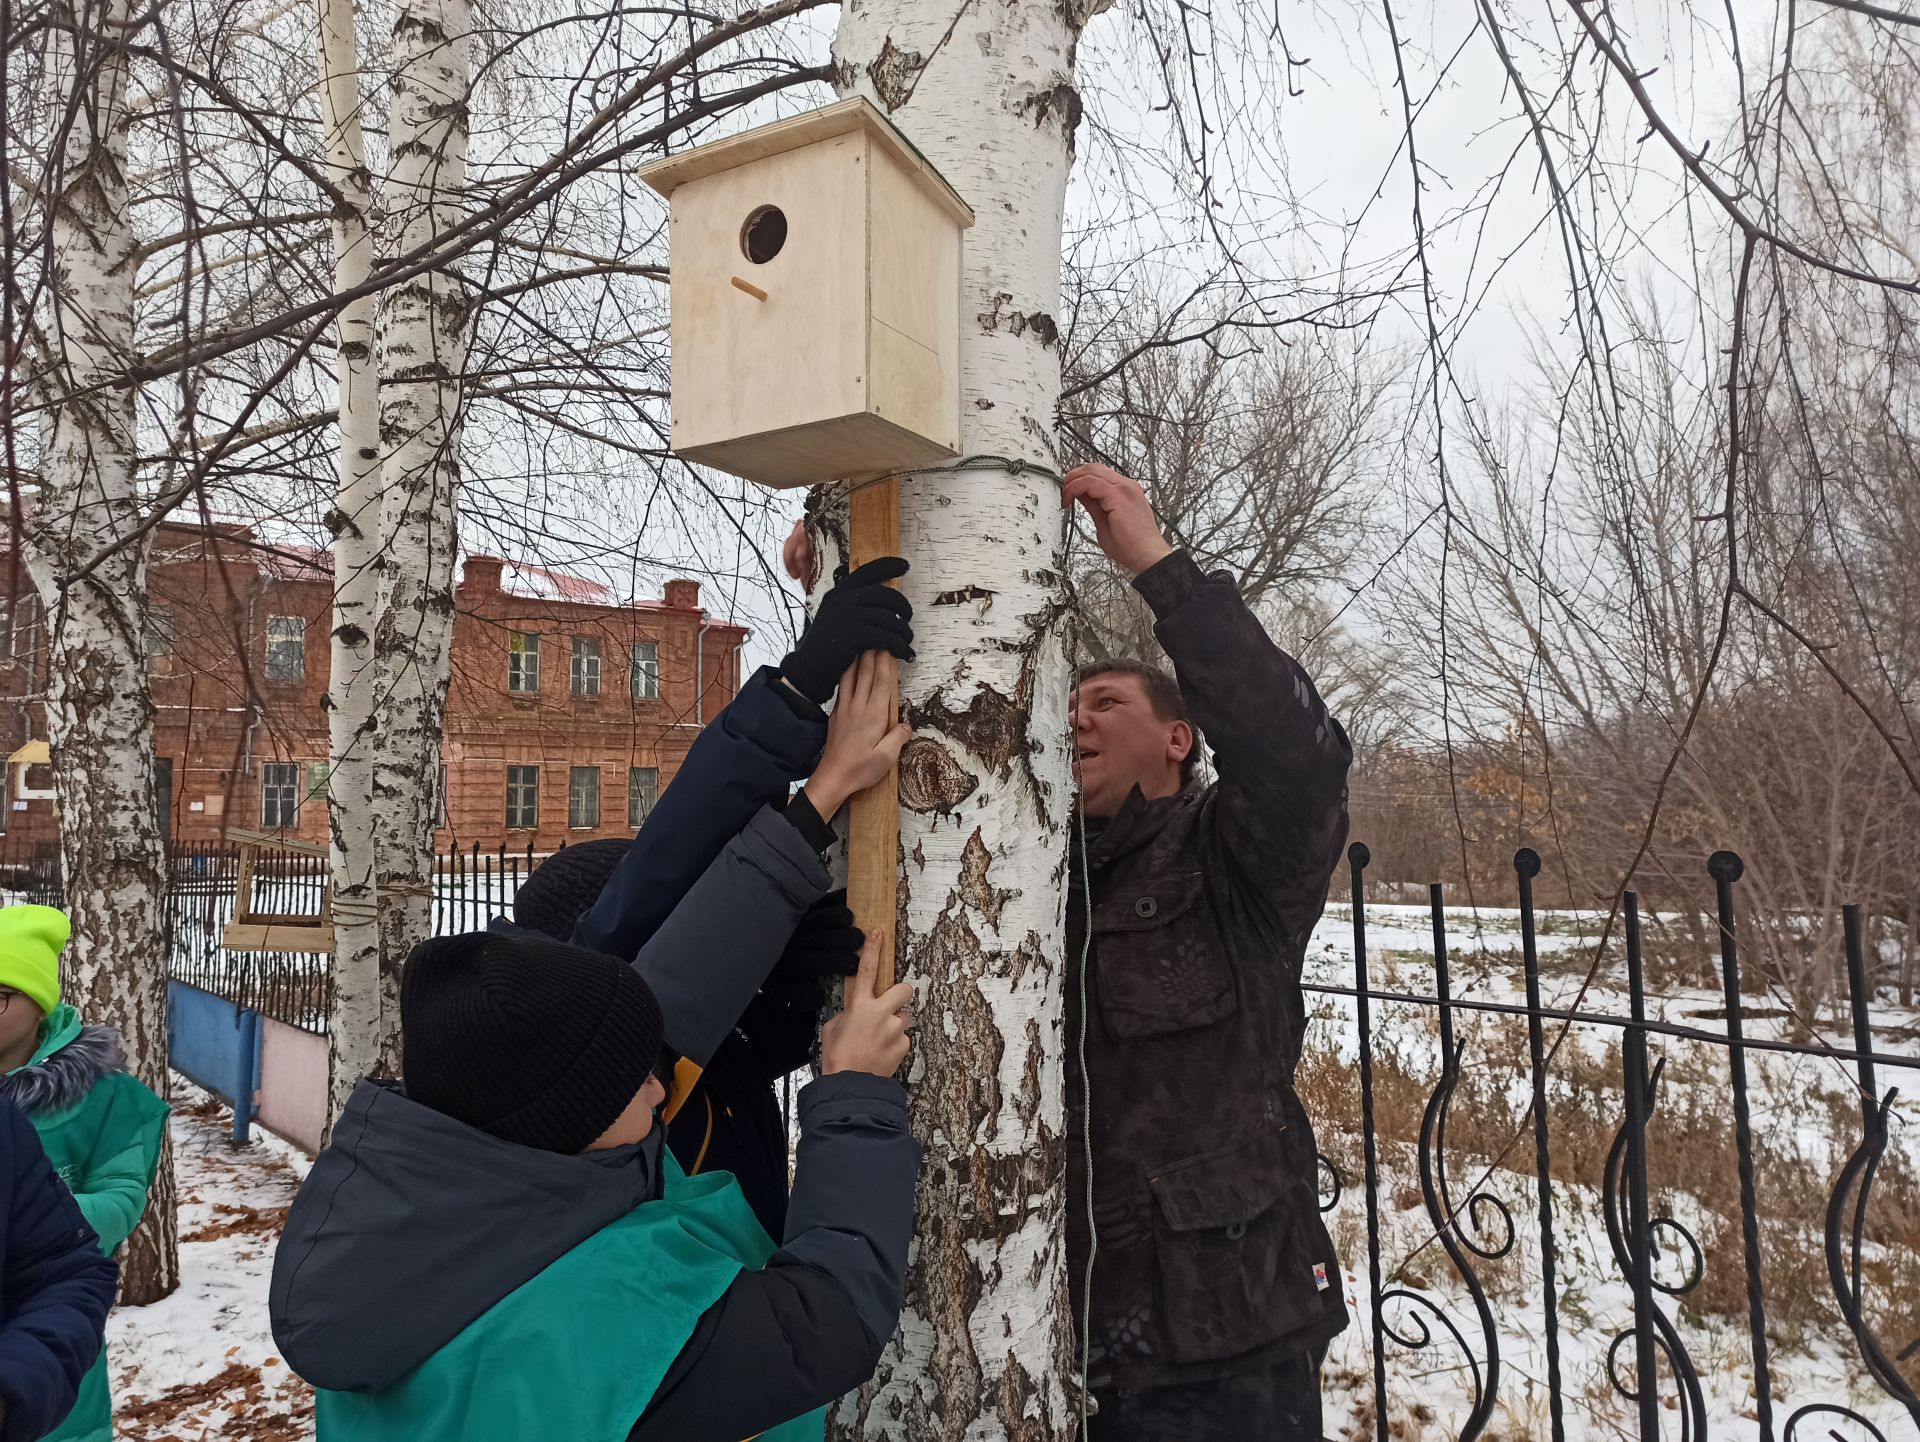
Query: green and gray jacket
x=617, y=1301
x=436, y=1281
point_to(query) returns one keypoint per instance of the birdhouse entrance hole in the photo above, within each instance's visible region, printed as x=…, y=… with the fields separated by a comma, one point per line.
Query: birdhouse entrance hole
x=764, y=234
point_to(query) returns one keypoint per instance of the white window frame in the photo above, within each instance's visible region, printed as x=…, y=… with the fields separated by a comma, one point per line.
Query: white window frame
x=644, y=671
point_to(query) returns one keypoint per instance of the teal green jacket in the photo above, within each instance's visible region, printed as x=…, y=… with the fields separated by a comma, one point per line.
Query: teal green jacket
x=103, y=1130
x=578, y=1351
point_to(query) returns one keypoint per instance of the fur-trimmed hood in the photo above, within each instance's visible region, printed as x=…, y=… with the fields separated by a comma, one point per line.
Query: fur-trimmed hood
x=70, y=1063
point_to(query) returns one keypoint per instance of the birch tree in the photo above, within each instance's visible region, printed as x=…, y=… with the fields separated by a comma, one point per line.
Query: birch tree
x=88, y=560
x=986, y=1342
x=354, y=1037
x=423, y=342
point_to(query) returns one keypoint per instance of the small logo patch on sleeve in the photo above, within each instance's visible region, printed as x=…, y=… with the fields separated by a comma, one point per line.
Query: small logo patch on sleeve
x=1320, y=1282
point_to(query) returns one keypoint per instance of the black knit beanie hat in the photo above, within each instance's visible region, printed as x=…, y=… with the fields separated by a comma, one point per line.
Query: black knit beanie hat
x=561, y=888
x=533, y=1041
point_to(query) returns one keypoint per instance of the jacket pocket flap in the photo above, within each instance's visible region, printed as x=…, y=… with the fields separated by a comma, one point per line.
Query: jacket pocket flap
x=1229, y=1186
x=1151, y=902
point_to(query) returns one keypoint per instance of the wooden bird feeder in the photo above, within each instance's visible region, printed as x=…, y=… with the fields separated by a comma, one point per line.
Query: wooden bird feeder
x=255, y=930
x=815, y=300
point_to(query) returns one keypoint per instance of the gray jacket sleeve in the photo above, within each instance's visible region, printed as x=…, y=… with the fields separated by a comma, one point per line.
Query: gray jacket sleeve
x=716, y=947
x=810, y=1325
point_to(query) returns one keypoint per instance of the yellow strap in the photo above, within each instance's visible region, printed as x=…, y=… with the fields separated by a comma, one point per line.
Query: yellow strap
x=706, y=1141
x=686, y=1075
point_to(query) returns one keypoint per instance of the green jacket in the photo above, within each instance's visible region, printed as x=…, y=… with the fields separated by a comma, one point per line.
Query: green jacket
x=578, y=1351
x=102, y=1129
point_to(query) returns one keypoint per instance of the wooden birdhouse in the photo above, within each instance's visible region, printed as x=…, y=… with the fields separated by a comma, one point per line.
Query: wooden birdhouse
x=816, y=300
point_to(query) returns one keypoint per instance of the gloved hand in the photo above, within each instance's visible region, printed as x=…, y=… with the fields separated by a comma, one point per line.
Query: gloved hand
x=825, y=944
x=861, y=613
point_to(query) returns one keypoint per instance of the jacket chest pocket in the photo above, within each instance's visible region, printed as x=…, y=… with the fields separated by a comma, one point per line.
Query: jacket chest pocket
x=1162, y=966
x=1241, y=1263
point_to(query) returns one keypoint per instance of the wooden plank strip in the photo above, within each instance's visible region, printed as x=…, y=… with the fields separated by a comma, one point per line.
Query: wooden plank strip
x=873, y=832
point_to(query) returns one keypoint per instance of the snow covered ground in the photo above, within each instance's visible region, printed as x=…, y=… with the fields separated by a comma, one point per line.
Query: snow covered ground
x=202, y=1364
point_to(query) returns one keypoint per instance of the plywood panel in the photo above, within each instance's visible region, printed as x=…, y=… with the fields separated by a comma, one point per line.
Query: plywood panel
x=914, y=301
x=853, y=115
x=859, y=445
x=743, y=366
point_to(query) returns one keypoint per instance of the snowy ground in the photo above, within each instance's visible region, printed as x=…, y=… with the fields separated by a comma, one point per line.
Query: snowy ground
x=202, y=1364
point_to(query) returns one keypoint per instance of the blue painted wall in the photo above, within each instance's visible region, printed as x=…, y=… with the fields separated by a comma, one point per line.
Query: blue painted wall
x=217, y=1045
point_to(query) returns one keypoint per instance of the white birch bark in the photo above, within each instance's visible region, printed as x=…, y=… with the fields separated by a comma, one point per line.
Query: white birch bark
x=984, y=1349
x=355, y=1029
x=99, y=703
x=423, y=345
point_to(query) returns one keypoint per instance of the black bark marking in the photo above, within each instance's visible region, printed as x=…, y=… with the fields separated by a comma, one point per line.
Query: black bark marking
x=894, y=72
x=930, y=779
x=964, y=595
x=975, y=889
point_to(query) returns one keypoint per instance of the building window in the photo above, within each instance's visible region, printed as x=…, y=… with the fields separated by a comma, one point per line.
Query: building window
x=26, y=620
x=319, y=773
x=160, y=635
x=646, y=670
x=643, y=789
x=286, y=648
x=583, y=798
x=586, y=666
x=279, y=794
x=523, y=662
x=523, y=797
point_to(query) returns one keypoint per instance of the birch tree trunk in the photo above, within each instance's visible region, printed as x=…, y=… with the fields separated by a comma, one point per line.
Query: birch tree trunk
x=423, y=346
x=985, y=1346
x=355, y=1030
x=99, y=704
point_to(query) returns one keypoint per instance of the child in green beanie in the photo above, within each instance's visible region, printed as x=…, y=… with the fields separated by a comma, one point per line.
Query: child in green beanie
x=101, y=1126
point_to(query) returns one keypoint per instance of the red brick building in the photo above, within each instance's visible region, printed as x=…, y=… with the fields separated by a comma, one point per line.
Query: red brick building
x=568, y=710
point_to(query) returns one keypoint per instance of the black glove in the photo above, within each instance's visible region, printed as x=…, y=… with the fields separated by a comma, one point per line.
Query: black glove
x=861, y=613
x=825, y=944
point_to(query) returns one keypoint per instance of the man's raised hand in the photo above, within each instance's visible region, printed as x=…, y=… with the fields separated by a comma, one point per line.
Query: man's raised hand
x=1123, y=522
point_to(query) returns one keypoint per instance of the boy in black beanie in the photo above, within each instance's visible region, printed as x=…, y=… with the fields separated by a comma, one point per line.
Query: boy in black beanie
x=504, y=1250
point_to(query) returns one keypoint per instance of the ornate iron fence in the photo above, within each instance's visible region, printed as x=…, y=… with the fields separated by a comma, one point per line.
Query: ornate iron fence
x=1655, y=1253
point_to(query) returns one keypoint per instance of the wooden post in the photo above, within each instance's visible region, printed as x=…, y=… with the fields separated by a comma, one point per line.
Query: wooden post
x=873, y=824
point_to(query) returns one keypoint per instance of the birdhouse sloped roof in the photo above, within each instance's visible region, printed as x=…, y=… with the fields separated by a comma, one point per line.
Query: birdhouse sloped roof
x=843, y=117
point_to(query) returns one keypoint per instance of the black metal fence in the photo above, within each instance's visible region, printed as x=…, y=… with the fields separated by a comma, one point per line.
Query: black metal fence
x=1543, y=1141
x=471, y=886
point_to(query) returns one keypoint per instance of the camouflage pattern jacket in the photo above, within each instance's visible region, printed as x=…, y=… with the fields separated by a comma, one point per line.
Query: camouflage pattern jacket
x=1212, y=1258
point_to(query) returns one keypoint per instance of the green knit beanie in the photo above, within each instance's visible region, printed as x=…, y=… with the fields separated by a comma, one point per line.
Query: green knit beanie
x=31, y=938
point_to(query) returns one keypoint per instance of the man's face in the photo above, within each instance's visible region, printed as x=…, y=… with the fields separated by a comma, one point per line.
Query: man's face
x=1123, y=744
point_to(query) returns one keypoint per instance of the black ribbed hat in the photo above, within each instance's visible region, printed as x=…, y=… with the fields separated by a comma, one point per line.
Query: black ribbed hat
x=533, y=1041
x=561, y=888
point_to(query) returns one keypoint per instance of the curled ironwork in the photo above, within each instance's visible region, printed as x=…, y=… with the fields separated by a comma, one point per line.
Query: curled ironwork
x=1846, y=1236
x=1667, y=1340
x=1830, y=1413
x=1332, y=1187
x=1459, y=1247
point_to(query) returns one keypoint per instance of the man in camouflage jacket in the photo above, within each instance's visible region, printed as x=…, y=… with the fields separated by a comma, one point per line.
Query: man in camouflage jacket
x=1214, y=1288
